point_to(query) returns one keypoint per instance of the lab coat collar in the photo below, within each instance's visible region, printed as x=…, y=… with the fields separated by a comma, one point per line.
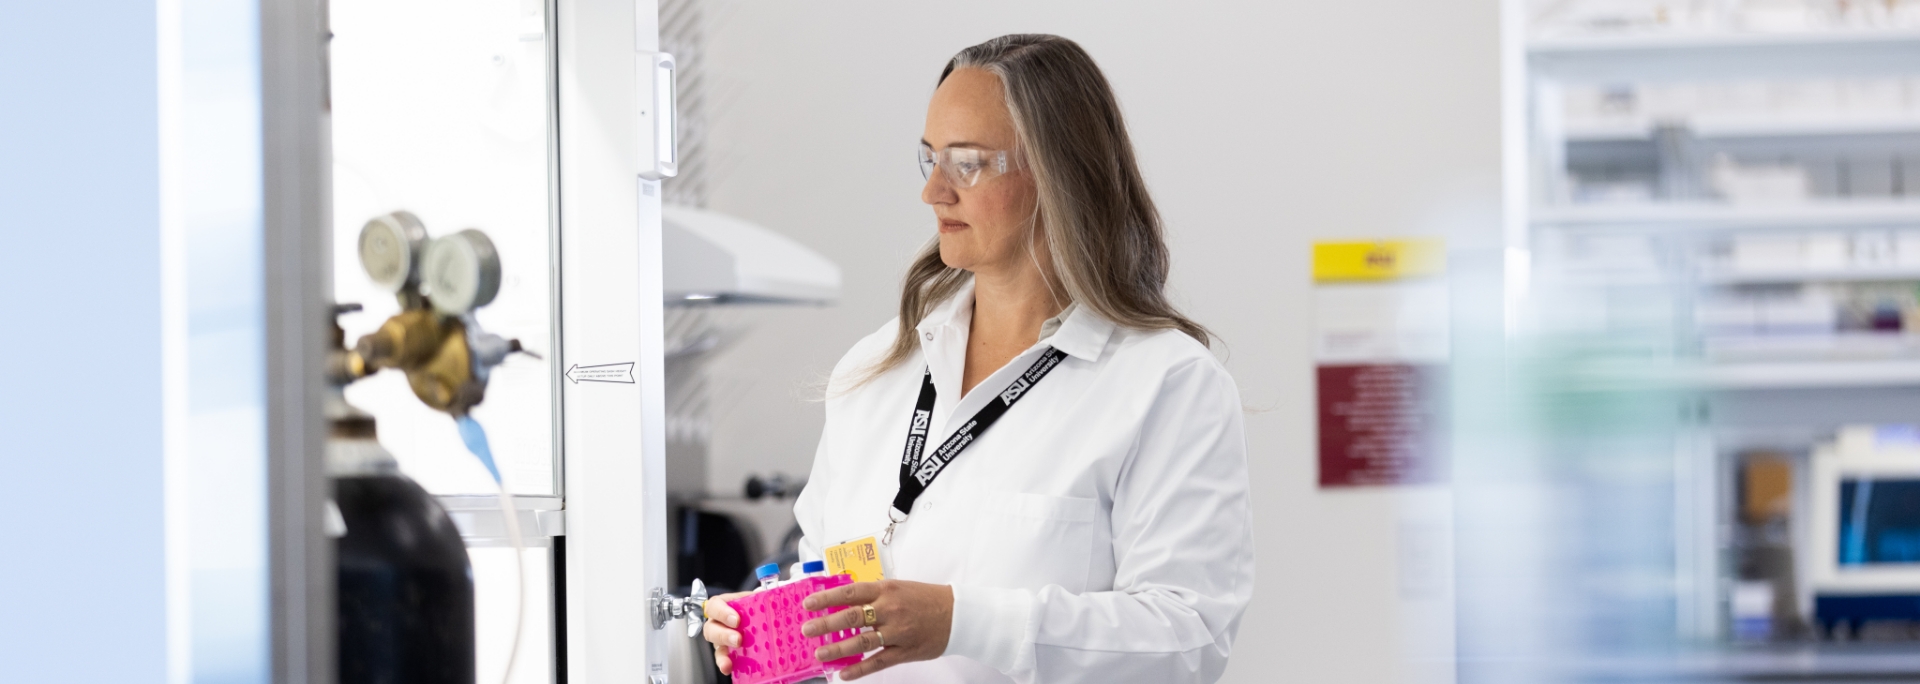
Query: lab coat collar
x=1083, y=335
x=953, y=315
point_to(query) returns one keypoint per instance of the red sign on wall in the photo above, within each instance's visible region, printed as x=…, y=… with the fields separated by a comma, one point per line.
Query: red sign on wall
x=1382, y=424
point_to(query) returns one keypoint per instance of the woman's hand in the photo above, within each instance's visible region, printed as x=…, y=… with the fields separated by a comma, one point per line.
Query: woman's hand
x=912, y=621
x=722, y=629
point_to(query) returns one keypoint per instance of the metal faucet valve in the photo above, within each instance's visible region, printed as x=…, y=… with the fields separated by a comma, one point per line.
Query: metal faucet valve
x=693, y=607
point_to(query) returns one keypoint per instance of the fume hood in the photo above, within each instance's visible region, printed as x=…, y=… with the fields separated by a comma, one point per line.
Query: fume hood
x=713, y=257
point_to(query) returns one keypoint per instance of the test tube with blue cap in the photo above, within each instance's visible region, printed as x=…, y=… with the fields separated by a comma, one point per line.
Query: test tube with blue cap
x=769, y=574
x=807, y=569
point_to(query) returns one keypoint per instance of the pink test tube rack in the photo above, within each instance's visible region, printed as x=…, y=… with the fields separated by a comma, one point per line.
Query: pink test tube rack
x=772, y=650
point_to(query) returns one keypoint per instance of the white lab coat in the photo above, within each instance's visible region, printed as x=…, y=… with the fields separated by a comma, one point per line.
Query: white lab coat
x=1099, y=532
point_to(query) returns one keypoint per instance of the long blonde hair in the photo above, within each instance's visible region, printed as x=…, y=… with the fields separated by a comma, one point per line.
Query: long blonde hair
x=1100, y=225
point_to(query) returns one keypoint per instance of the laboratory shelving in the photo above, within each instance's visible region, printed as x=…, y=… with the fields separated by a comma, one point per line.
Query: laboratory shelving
x=1723, y=53
x=1746, y=376
x=1800, y=374
x=1728, y=276
x=1813, y=664
x=1554, y=50
x=1711, y=127
x=1644, y=262
x=1701, y=216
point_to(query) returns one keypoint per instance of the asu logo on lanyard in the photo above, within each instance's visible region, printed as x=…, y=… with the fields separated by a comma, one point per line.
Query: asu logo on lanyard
x=916, y=436
x=1012, y=394
x=928, y=470
x=917, y=472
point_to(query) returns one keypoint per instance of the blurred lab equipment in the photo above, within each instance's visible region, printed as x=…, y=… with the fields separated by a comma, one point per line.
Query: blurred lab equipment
x=405, y=588
x=776, y=486
x=712, y=260
x=717, y=258
x=405, y=583
x=1865, y=539
x=1763, y=605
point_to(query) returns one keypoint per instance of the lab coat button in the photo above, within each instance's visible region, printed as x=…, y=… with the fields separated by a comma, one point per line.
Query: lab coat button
x=929, y=337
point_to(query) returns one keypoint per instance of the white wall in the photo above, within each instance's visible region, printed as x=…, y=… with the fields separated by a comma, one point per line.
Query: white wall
x=1260, y=127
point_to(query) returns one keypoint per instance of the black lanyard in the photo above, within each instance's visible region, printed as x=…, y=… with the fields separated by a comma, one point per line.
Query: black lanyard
x=917, y=472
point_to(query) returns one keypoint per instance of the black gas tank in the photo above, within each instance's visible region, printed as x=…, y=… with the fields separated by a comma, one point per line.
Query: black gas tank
x=405, y=586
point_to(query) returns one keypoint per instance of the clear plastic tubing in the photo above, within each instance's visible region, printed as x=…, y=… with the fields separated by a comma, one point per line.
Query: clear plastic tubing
x=769, y=574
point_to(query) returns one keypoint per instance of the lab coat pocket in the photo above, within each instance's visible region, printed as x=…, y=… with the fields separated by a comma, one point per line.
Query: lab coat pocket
x=1037, y=539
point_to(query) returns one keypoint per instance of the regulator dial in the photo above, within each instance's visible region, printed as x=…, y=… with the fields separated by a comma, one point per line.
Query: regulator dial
x=461, y=272
x=390, y=248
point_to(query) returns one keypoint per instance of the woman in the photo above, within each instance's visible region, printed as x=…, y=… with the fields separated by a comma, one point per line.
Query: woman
x=1071, y=501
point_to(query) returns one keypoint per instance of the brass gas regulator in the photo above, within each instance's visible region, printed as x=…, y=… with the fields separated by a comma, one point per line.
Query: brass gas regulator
x=434, y=339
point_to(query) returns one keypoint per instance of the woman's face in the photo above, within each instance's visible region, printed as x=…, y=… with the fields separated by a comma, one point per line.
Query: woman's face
x=984, y=226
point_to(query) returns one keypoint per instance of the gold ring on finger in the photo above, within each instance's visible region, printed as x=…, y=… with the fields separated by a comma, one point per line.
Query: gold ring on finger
x=868, y=617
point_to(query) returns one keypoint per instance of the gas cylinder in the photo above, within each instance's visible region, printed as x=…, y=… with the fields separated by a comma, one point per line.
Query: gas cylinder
x=405, y=585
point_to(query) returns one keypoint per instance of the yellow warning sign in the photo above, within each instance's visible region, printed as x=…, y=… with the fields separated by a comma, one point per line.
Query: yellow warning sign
x=1378, y=260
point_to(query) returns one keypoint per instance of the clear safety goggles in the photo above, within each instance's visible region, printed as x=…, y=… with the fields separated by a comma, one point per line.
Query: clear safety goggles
x=965, y=167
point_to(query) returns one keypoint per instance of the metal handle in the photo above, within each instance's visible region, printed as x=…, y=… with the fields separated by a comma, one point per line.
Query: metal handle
x=693, y=607
x=666, y=138
x=655, y=71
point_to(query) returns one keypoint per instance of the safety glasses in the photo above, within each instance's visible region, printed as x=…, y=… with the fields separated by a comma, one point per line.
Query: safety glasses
x=965, y=167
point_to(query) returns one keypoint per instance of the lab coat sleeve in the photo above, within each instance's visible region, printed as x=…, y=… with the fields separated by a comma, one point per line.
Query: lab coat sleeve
x=1183, y=551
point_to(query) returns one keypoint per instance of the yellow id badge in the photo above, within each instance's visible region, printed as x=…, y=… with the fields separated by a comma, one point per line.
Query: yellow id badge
x=859, y=558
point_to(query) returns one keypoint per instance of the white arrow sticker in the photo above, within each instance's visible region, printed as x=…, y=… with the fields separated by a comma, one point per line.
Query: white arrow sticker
x=606, y=372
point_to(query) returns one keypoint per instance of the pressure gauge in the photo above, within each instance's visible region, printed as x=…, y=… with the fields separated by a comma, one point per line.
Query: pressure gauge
x=461, y=272
x=390, y=248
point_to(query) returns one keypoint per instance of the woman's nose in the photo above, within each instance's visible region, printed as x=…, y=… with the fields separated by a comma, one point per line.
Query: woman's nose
x=937, y=190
